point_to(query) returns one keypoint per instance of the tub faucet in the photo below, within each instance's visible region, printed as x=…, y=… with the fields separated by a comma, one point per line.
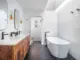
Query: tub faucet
x=46, y=33
x=3, y=33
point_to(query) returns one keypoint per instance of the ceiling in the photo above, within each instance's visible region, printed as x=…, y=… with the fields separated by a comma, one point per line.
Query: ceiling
x=32, y=7
x=36, y=7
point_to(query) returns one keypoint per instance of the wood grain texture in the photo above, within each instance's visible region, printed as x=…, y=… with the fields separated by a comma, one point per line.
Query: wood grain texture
x=16, y=52
x=5, y=52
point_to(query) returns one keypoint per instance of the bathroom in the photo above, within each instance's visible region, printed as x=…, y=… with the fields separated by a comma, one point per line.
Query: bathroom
x=39, y=29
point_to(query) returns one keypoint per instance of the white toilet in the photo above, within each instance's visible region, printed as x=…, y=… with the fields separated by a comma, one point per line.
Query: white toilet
x=58, y=47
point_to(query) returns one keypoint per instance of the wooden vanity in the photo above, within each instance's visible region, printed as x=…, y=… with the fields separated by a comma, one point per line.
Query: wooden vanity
x=15, y=52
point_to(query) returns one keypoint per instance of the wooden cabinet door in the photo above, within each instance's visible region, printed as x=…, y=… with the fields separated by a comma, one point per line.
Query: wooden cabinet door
x=5, y=53
x=22, y=53
x=25, y=49
x=26, y=45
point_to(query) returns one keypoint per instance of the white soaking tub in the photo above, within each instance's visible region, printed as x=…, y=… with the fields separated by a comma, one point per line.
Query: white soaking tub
x=58, y=47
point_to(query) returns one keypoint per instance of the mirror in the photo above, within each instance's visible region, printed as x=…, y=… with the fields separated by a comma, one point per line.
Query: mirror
x=16, y=19
x=3, y=14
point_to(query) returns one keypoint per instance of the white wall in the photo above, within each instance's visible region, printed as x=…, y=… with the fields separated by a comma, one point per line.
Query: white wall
x=69, y=25
x=3, y=14
x=12, y=5
x=49, y=24
x=26, y=25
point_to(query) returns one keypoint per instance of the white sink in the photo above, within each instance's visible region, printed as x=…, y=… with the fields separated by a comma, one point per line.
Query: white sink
x=12, y=40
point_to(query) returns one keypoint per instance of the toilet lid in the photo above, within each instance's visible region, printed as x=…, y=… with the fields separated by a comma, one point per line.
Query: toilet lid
x=57, y=40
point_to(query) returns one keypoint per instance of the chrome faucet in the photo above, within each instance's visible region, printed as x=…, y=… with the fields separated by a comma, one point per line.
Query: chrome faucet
x=3, y=33
x=46, y=33
x=16, y=33
x=11, y=34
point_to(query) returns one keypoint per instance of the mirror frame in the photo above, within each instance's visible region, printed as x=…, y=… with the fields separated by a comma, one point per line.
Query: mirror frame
x=14, y=19
x=7, y=17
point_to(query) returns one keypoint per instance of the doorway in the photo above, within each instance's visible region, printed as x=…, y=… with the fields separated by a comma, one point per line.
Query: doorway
x=36, y=25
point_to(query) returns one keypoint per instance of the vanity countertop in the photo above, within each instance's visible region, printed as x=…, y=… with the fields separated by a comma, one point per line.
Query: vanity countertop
x=13, y=40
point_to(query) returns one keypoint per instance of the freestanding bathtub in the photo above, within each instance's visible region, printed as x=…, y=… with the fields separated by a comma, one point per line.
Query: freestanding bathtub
x=58, y=47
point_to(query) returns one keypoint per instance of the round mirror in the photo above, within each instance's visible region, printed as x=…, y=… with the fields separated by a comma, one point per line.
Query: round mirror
x=16, y=19
x=3, y=15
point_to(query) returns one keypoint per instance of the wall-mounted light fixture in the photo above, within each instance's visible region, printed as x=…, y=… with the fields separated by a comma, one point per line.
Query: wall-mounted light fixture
x=21, y=22
x=11, y=16
x=78, y=9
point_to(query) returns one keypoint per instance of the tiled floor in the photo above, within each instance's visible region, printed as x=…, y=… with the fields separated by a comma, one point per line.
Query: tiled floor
x=39, y=52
